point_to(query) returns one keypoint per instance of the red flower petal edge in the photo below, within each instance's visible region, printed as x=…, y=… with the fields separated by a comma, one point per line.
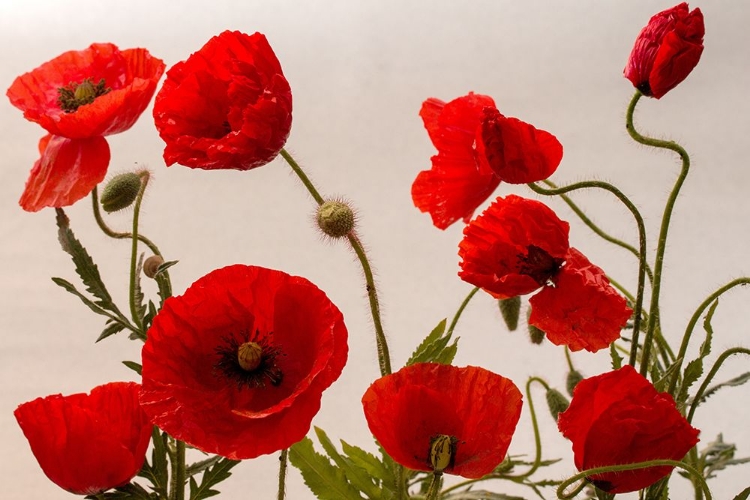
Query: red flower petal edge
x=666, y=50
x=478, y=408
x=194, y=385
x=477, y=149
x=228, y=106
x=88, y=443
x=620, y=418
x=66, y=172
x=582, y=310
x=130, y=76
x=513, y=248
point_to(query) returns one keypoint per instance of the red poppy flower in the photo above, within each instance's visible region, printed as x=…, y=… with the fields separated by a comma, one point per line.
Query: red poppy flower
x=477, y=148
x=515, y=247
x=81, y=96
x=88, y=443
x=620, y=418
x=227, y=106
x=237, y=365
x=471, y=411
x=666, y=50
x=518, y=246
x=582, y=310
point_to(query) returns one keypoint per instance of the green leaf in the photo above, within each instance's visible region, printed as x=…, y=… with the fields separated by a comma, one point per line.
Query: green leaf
x=111, y=327
x=706, y=345
x=149, y=317
x=736, y=381
x=424, y=349
x=743, y=495
x=324, y=480
x=616, y=358
x=140, y=307
x=136, y=367
x=89, y=303
x=211, y=477
x=370, y=463
x=131, y=491
x=198, y=467
x=479, y=495
x=357, y=477
x=692, y=373
x=164, y=266
x=156, y=472
x=435, y=348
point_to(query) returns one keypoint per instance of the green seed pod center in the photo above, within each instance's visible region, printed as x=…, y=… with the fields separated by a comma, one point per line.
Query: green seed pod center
x=442, y=452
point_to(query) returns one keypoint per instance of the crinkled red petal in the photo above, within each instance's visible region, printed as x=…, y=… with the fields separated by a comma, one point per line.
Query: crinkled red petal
x=477, y=407
x=187, y=396
x=582, y=310
x=495, y=242
x=131, y=74
x=87, y=444
x=66, y=172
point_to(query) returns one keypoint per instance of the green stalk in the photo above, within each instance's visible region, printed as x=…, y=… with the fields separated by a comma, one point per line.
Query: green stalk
x=663, y=232
x=535, y=425
x=433, y=492
x=461, y=308
x=179, y=472
x=282, y=473
x=711, y=374
x=134, y=250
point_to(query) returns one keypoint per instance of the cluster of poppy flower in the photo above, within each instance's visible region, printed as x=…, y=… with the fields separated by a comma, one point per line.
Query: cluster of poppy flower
x=237, y=365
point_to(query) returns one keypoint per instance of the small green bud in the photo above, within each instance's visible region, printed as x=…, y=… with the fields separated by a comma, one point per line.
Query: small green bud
x=535, y=334
x=335, y=218
x=510, y=309
x=556, y=402
x=120, y=192
x=571, y=382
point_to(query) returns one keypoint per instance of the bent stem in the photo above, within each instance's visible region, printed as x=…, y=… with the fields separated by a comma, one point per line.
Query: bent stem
x=642, y=264
x=384, y=356
x=711, y=374
x=535, y=425
x=461, y=308
x=664, y=230
x=134, y=250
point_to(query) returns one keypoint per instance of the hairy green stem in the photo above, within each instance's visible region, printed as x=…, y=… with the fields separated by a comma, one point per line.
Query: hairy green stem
x=664, y=230
x=711, y=374
x=535, y=425
x=179, y=472
x=282, y=473
x=642, y=265
x=461, y=308
x=134, y=250
x=302, y=176
x=433, y=492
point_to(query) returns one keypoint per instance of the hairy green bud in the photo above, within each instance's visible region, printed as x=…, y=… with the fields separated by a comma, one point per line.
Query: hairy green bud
x=120, y=192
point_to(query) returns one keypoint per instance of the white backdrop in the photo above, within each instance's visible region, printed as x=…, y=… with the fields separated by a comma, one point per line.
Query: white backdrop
x=359, y=72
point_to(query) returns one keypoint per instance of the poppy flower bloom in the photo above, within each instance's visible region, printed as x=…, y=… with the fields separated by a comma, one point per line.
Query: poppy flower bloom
x=440, y=418
x=666, y=50
x=79, y=97
x=237, y=365
x=88, y=443
x=619, y=418
x=477, y=149
x=228, y=106
x=518, y=246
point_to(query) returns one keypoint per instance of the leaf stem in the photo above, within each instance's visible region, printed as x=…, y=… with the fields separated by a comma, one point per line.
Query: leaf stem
x=535, y=425
x=461, y=310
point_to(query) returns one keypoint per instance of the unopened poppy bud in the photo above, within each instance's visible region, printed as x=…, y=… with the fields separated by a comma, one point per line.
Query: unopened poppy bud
x=151, y=265
x=535, y=334
x=120, y=192
x=510, y=309
x=574, y=376
x=249, y=356
x=335, y=219
x=556, y=402
x=442, y=452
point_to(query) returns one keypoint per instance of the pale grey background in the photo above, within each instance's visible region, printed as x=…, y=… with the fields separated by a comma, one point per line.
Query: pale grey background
x=359, y=73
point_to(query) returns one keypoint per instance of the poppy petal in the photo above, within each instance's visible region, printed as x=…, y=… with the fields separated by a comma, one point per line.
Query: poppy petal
x=66, y=172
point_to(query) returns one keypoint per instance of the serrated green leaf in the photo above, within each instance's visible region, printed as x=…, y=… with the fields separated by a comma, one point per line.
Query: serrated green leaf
x=111, y=327
x=357, y=477
x=736, y=381
x=324, y=480
x=616, y=358
x=136, y=367
x=211, y=477
x=479, y=495
x=743, y=495
x=705, y=349
x=370, y=463
x=661, y=384
x=140, y=307
x=88, y=302
x=196, y=468
x=164, y=266
x=446, y=356
x=156, y=471
x=423, y=350
x=692, y=373
x=149, y=317
x=131, y=491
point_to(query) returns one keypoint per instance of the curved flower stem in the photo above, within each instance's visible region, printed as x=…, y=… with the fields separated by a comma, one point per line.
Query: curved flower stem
x=134, y=249
x=384, y=356
x=694, y=319
x=569, y=360
x=433, y=492
x=666, y=217
x=642, y=264
x=711, y=374
x=282, y=473
x=598, y=231
x=535, y=425
x=461, y=308
x=562, y=495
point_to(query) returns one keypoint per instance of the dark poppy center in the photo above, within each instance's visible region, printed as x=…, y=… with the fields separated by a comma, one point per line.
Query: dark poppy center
x=442, y=452
x=251, y=362
x=538, y=264
x=74, y=95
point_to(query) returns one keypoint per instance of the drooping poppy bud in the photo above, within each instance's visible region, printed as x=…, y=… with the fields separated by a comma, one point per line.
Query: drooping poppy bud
x=666, y=50
x=120, y=192
x=335, y=218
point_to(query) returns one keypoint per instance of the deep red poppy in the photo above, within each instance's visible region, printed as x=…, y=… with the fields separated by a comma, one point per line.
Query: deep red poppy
x=513, y=248
x=582, y=310
x=477, y=149
x=88, y=443
x=619, y=418
x=475, y=410
x=228, y=106
x=81, y=96
x=666, y=50
x=237, y=365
